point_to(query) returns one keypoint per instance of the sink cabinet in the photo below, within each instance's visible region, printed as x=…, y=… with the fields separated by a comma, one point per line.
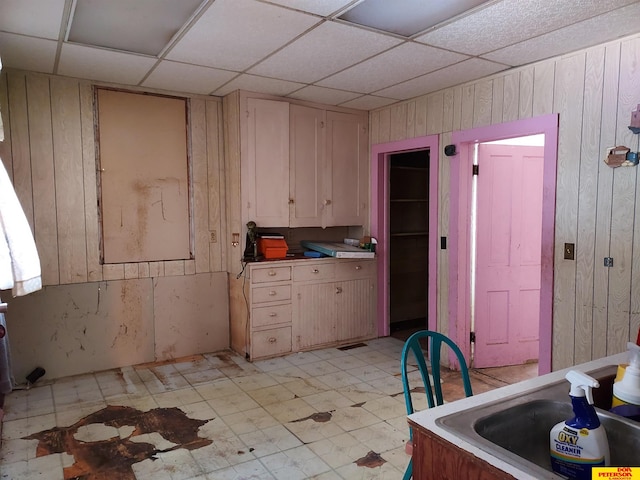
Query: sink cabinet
x=436, y=458
x=289, y=306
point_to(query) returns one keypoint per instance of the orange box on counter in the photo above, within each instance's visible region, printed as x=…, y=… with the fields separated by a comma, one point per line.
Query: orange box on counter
x=272, y=248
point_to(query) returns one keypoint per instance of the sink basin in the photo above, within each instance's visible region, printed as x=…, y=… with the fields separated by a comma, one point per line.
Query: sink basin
x=516, y=429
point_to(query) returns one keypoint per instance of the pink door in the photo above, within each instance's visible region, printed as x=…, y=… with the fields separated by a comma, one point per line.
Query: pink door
x=508, y=258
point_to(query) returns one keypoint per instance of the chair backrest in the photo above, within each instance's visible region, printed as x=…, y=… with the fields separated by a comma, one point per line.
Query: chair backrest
x=433, y=390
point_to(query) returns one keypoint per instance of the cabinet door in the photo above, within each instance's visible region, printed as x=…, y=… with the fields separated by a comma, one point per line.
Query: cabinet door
x=355, y=309
x=306, y=166
x=347, y=187
x=265, y=169
x=315, y=319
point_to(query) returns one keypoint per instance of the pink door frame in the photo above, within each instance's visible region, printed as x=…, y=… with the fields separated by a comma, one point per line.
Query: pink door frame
x=459, y=262
x=380, y=221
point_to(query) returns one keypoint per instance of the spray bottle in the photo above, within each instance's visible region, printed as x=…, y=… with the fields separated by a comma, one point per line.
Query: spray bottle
x=580, y=442
x=626, y=390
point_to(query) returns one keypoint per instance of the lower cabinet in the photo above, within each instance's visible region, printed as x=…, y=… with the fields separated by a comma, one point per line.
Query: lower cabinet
x=303, y=304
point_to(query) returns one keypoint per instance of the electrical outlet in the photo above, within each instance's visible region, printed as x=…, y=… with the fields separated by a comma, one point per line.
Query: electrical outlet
x=213, y=236
x=569, y=251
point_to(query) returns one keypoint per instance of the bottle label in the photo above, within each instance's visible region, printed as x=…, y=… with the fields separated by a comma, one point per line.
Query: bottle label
x=570, y=455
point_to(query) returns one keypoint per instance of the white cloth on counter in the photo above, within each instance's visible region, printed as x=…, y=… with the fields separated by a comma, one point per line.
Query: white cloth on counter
x=19, y=261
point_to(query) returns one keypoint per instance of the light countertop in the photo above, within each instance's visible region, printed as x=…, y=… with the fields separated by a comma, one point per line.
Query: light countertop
x=427, y=419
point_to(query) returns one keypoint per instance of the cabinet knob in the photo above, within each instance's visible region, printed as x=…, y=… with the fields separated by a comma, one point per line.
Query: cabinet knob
x=338, y=290
x=315, y=270
x=271, y=273
x=358, y=267
x=273, y=339
x=291, y=202
x=273, y=314
x=327, y=202
x=272, y=293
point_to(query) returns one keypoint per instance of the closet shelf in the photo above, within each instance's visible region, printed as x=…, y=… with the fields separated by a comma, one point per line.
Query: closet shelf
x=409, y=234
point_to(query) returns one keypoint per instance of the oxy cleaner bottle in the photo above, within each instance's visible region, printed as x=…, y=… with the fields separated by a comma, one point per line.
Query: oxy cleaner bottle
x=580, y=442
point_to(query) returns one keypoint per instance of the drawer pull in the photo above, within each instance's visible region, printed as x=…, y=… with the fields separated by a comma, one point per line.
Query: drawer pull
x=315, y=270
x=273, y=293
x=272, y=273
x=338, y=290
x=273, y=314
x=273, y=339
x=358, y=267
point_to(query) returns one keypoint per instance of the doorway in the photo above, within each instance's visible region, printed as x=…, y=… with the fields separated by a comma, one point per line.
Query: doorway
x=460, y=306
x=381, y=155
x=408, y=242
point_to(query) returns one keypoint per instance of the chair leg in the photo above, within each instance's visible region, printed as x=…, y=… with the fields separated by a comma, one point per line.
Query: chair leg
x=409, y=471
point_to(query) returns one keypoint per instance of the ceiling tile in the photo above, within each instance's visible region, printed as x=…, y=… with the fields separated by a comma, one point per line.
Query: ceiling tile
x=319, y=7
x=570, y=39
x=182, y=77
x=325, y=50
x=463, y=72
x=235, y=34
x=105, y=65
x=254, y=83
x=510, y=21
x=28, y=53
x=39, y=18
x=323, y=95
x=393, y=66
x=368, y=102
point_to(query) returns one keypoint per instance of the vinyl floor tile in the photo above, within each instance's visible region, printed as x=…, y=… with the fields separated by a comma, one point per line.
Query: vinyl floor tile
x=331, y=414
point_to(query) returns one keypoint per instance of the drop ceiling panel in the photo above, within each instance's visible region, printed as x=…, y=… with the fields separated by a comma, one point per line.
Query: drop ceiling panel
x=510, y=21
x=463, y=72
x=235, y=34
x=319, y=7
x=396, y=65
x=106, y=65
x=323, y=95
x=325, y=50
x=27, y=53
x=572, y=38
x=39, y=18
x=143, y=26
x=368, y=102
x=258, y=84
x=182, y=77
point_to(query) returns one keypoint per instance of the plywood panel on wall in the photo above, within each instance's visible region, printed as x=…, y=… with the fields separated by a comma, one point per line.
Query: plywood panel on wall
x=72, y=329
x=144, y=177
x=191, y=314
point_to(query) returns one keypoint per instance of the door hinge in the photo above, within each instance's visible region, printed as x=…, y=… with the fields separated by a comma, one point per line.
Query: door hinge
x=472, y=337
x=475, y=169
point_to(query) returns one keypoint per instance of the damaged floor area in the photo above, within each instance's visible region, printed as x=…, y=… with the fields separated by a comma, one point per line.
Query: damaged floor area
x=326, y=414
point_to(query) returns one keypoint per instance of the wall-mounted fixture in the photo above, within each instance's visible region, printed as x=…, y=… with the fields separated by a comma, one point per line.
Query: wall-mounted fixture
x=450, y=150
x=621, y=156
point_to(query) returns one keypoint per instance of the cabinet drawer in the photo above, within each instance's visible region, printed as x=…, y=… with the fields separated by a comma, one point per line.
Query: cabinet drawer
x=274, y=341
x=304, y=273
x=271, y=274
x=273, y=293
x=271, y=315
x=352, y=270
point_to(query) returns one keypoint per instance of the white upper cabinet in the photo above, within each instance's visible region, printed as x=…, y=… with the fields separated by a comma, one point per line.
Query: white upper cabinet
x=265, y=167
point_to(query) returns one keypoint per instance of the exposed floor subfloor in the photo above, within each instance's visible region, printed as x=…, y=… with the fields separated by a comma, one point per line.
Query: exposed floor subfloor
x=326, y=414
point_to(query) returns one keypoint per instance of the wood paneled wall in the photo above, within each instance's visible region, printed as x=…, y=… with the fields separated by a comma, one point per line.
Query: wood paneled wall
x=596, y=309
x=91, y=316
x=50, y=153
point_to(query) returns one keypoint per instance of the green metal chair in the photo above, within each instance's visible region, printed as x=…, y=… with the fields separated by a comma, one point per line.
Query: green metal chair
x=433, y=390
